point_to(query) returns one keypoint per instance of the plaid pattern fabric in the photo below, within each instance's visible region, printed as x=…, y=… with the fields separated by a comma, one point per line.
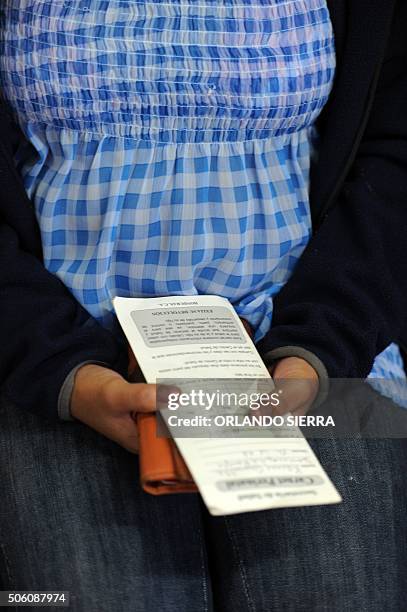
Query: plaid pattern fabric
x=169, y=71
x=388, y=375
x=170, y=142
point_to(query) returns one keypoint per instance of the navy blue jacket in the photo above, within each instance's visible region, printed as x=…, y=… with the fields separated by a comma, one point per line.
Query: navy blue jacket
x=347, y=299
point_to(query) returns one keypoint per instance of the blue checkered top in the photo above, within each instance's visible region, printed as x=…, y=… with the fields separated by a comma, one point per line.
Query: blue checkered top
x=169, y=142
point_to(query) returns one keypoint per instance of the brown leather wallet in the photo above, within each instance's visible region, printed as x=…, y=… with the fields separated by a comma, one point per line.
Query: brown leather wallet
x=162, y=468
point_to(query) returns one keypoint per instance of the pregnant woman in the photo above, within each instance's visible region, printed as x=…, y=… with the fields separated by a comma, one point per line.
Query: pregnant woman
x=252, y=149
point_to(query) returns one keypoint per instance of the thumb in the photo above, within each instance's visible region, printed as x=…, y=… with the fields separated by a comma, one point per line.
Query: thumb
x=298, y=382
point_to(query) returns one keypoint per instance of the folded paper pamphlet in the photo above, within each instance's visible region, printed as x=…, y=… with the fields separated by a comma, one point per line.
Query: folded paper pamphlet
x=187, y=339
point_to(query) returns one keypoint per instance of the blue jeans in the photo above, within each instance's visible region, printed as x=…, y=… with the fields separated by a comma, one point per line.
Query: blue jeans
x=73, y=518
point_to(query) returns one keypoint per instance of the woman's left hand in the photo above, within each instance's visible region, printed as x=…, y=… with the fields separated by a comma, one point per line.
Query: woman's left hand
x=298, y=382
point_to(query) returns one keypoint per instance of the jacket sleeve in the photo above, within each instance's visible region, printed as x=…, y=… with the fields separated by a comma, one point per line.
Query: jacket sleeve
x=44, y=332
x=347, y=298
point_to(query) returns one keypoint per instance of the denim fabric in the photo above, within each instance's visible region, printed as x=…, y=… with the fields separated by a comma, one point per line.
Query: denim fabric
x=73, y=517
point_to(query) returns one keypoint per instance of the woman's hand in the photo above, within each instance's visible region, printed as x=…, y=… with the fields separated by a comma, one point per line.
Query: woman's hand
x=105, y=401
x=299, y=384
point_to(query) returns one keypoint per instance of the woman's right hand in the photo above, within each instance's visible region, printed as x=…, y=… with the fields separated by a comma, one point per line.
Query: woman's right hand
x=105, y=401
